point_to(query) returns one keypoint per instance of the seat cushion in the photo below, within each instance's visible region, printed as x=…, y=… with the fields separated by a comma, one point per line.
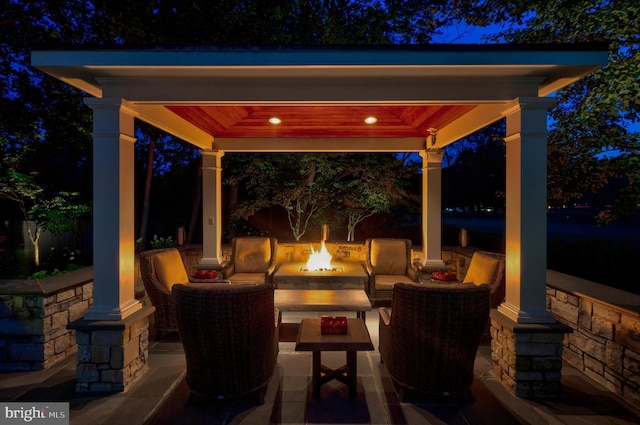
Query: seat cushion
x=483, y=269
x=170, y=268
x=246, y=278
x=385, y=282
x=388, y=256
x=252, y=255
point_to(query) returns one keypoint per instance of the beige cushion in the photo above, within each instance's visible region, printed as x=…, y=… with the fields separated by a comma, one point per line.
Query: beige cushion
x=388, y=256
x=385, y=282
x=252, y=255
x=170, y=268
x=247, y=278
x=483, y=269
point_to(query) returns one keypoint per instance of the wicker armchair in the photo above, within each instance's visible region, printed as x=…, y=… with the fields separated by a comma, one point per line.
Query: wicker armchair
x=430, y=335
x=160, y=270
x=230, y=338
x=388, y=261
x=253, y=259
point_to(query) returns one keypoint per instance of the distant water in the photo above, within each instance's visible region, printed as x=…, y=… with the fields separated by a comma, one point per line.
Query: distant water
x=557, y=227
x=608, y=255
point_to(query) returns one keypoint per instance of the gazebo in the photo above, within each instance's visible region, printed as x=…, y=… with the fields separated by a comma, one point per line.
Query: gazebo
x=221, y=100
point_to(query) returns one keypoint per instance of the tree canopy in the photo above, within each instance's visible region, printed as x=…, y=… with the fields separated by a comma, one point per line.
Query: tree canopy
x=341, y=189
x=46, y=122
x=590, y=146
x=47, y=127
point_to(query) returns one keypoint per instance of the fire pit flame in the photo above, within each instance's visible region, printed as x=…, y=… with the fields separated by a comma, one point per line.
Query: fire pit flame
x=319, y=261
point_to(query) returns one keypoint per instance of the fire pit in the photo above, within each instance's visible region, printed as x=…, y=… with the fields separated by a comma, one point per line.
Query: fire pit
x=305, y=268
x=319, y=273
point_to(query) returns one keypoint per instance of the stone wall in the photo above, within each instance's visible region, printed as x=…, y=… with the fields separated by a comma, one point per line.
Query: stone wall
x=294, y=252
x=112, y=356
x=605, y=343
x=299, y=252
x=34, y=315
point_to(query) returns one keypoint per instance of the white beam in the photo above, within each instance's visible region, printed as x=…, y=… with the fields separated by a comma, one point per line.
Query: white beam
x=319, y=144
x=476, y=119
x=162, y=118
x=309, y=88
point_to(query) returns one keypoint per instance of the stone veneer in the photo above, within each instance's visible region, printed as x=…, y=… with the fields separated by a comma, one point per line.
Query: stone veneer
x=34, y=314
x=527, y=358
x=112, y=355
x=605, y=343
x=295, y=252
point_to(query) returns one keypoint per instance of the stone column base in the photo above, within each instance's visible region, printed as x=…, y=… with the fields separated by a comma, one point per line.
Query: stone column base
x=527, y=358
x=112, y=355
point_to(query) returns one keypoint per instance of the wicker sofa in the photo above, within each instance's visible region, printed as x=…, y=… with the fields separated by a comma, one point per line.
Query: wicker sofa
x=230, y=338
x=430, y=335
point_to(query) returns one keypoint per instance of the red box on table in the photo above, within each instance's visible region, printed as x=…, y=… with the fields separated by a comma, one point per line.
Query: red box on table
x=445, y=276
x=330, y=325
x=205, y=274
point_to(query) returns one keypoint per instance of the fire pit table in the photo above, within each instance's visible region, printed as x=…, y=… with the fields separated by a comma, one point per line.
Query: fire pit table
x=342, y=275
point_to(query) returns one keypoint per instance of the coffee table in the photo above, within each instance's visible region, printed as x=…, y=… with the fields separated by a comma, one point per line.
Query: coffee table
x=322, y=300
x=311, y=339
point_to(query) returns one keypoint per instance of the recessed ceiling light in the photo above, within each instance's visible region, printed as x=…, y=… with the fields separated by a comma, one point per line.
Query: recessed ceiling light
x=371, y=120
x=275, y=120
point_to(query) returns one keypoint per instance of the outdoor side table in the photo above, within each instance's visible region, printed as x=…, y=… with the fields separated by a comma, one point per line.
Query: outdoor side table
x=311, y=339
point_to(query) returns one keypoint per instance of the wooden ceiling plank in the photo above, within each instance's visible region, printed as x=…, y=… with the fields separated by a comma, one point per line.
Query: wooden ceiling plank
x=319, y=120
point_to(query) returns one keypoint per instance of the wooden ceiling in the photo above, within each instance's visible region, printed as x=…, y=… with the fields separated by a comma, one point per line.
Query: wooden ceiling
x=320, y=121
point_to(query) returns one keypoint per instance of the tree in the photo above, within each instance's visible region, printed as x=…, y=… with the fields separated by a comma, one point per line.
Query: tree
x=590, y=147
x=298, y=183
x=45, y=127
x=42, y=118
x=371, y=184
x=318, y=187
x=47, y=121
x=56, y=214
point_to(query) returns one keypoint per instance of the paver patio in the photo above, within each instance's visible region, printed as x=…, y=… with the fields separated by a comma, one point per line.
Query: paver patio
x=158, y=398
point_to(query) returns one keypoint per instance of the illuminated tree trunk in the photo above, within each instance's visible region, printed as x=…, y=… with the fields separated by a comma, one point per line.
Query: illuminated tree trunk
x=354, y=219
x=34, y=237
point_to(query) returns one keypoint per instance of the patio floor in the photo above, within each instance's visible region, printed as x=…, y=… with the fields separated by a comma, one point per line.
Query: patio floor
x=158, y=398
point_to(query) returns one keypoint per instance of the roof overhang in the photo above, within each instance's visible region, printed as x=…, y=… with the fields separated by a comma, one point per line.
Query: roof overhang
x=219, y=97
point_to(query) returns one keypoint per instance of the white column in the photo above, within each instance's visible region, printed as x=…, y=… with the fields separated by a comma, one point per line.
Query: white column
x=211, y=209
x=432, y=208
x=113, y=211
x=526, y=212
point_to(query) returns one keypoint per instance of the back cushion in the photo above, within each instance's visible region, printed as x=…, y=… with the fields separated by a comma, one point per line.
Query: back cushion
x=388, y=256
x=252, y=255
x=483, y=269
x=170, y=268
